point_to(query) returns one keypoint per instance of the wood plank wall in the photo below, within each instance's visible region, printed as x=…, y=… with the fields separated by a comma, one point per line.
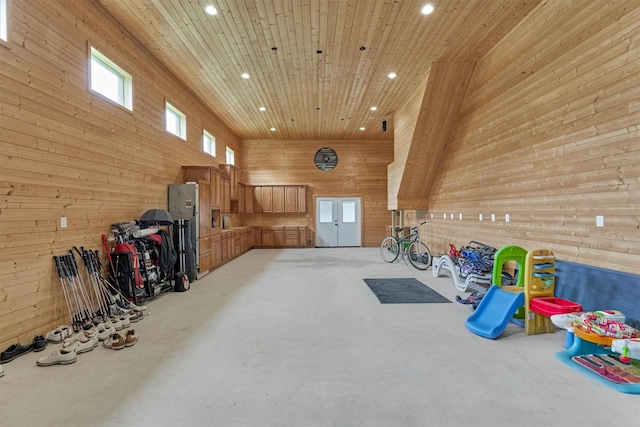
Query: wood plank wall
x=549, y=134
x=361, y=171
x=65, y=151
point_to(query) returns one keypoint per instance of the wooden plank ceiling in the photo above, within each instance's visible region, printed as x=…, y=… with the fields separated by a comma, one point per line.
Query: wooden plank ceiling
x=317, y=66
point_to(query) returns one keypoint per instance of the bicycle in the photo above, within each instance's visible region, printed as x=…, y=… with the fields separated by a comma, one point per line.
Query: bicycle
x=410, y=247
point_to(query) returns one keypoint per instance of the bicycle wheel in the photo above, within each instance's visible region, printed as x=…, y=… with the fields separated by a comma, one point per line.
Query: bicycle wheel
x=389, y=249
x=419, y=255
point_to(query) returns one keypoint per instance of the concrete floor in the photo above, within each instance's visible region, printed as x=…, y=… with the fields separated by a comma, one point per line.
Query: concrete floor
x=295, y=338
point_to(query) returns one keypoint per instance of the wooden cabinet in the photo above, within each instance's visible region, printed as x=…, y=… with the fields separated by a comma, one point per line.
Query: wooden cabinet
x=249, y=199
x=277, y=197
x=291, y=237
x=234, y=188
x=216, y=248
x=278, y=238
x=209, y=174
x=241, y=204
x=303, y=237
x=257, y=199
x=256, y=236
x=290, y=199
x=302, y=199
x=226, y=200
x=266, y=200
x=267, y=238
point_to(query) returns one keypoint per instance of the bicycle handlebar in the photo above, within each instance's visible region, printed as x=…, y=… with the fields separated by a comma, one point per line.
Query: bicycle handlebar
x=415, y=227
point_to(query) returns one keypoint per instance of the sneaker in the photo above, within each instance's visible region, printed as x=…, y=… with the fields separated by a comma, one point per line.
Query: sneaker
x=62, y=356
x=104, y=331
x=135, y=316
x=85, y=344
x=131, y=338
x=116, y=323
x=126, y=322
x=14, y=351
x=115, y=342
x=39, y=343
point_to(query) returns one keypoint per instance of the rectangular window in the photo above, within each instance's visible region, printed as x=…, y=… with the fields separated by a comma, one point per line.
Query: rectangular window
x=4, y=20
x=175, y=121
x=348, y=211
x=109, y=80
x=230, y=156
x=326, y=211
x=208, y=143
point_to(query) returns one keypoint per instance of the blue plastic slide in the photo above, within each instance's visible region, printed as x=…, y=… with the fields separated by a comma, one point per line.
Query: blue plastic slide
x=494, y=312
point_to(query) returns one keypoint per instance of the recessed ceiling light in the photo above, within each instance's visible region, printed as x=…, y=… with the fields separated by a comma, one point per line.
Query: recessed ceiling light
x=245, y=75
x=211, y=10
x=427, y=9
x=374, y=108
x=362, y=128
x=262, y=109
x=392, y=75
x=273, y=129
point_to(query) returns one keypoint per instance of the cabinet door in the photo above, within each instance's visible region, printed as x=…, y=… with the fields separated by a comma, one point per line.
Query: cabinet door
x=267, y=238
x=278, y=238
x=226, y=201
x=290, y=199
x=257, y=198
x=249, y=201
x=302, y=237
x=216, y=190
x=256, y=236
x=278, y=199
x=204, y=208
x=291, y=237
x=302, y=199
x=267, y=199
x=241, y=200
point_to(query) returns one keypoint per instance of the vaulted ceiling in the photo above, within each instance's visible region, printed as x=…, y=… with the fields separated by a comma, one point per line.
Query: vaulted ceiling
x=317, y=66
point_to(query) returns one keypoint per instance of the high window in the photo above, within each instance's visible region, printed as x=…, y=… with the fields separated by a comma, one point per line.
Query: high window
x=175, y=121
x=109, y=80
x=230, y=156
x=4, y=20
x=208, y=143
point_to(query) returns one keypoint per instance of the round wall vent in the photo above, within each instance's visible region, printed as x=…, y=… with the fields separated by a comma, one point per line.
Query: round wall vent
x=326, y=159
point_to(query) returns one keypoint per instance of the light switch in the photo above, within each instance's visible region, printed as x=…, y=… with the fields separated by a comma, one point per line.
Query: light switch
x=493, y=217
x=63, y=222
x=599, y=221
x=506, y=218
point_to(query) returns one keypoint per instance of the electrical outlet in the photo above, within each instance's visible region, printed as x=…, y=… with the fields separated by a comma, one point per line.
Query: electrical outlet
x=460, y=217
x=599, y=221
x=444, y=216
x=451, y=215
x=493, y=217
x=479, y=217
x=63, y=222
x=506, y=218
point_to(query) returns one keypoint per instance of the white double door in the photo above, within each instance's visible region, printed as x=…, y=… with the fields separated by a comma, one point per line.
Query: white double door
x=338, y=221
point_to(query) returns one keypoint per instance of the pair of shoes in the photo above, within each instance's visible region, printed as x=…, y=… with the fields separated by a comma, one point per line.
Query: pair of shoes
x=59, y=334
x=39, y=343
x=14, y=351
x=63, y=356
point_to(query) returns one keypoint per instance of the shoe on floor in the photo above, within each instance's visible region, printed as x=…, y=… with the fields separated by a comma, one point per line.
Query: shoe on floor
x=116, y=323
x=104, y=331
x=59, y=334
x=63, y=356
x=39, y=343
x=135, y=316
x=131, y=338
x=126, y=322
x=115, y=342
x=85, y=344
x=14, y=351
